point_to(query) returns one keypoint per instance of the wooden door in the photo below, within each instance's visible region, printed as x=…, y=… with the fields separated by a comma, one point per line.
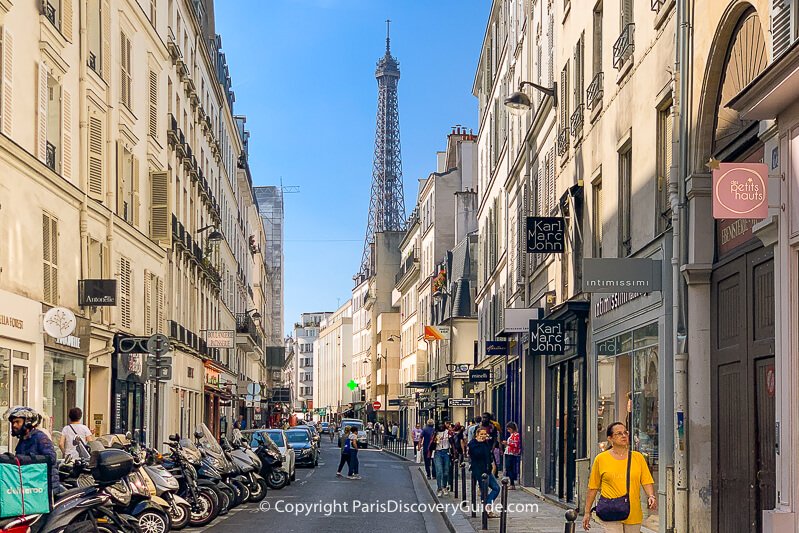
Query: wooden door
x=742, y=362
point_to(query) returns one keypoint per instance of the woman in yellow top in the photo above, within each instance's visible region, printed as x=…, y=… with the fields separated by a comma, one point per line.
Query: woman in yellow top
x=609, y=477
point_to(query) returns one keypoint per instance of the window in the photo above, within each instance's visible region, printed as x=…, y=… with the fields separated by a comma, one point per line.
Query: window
x=625, y=199
x=597, y=51
x=190, y=373
x=665, y=125
x=152, y=121
x=50, y=258
x=126, y=79
x=127, y=185
x=153, y=12
x=596, y=217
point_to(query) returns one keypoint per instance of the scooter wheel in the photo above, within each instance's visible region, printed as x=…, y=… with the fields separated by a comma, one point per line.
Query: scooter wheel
x=277, y=479
x=207, y=510
x=152, y=521
x=226, y=498
x=180, y=515
x=258, y=490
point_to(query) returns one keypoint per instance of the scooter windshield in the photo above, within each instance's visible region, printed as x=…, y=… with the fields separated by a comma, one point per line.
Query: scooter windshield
x=208, y=441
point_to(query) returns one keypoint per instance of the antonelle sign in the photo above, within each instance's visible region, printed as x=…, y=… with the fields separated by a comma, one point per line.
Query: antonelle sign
x=97, y=292
x=547, y=337
x=546, y=235
x=740, y=190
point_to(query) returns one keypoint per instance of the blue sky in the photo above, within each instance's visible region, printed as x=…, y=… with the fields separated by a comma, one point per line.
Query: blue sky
x=303, y=74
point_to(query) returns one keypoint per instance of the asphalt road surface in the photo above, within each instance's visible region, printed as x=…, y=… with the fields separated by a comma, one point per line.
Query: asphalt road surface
x=390, y=497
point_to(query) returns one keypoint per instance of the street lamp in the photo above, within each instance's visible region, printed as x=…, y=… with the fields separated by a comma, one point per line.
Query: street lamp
x=519, y=102
x=255, y=315
x=438, y=295
x=214, y=236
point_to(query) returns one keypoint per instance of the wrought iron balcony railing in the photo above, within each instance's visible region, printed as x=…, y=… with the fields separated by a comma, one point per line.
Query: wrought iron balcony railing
x=576, y=122
x=50, y=159
x=245, y=324
x=657, y=5
x=563, y=141
x=92, y=61
x=595, y=91
x=49, y=12
x=624, y=46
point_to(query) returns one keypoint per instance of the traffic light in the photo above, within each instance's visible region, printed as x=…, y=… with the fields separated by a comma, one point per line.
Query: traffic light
x=363, y=395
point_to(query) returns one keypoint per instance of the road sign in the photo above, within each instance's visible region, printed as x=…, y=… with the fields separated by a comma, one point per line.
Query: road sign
x=254, y=389
x=153, y=342
x=252, y=398
x=460, y=402
x=164, y=360
x=163, y=373
x=394, y=402
x=376, y=406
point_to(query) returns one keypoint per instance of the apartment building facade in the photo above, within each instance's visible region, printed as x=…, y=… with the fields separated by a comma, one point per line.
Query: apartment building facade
x=333, y=365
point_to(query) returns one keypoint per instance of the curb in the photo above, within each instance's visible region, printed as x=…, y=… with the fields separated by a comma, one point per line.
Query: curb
x=455, y=523
x=398, y=456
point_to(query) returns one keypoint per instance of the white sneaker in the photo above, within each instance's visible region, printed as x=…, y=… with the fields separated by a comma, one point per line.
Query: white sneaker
x=358, y=476
x=338, y=474
x=440, y=492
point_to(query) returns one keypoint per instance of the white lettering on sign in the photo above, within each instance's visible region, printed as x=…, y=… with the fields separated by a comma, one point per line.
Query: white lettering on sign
x=545, y=236
x=547, y=337
x=71, y=341
x=614, y=301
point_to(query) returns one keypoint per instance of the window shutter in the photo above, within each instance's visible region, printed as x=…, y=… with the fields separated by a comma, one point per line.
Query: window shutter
x=123, y=74
x=96, y=188
x=66, y=19
x=148, y=302
x=124, y=292
x=781, y=30
x=46, y=257
x=7, y=88
x=105, y=61
x=159, y=293
x=66, y=135
x=41, y=138
x=553, y=190
x=626, y=13
x=136, y=202
x=120, y=179
x=551, y=48
x=159, y=207
x=153, y=117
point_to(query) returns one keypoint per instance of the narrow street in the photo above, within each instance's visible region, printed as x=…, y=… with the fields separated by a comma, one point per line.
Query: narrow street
x=385, y=480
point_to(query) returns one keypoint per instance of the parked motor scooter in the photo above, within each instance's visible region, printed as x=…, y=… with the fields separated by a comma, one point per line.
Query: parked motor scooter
x=248, y=464
x=203, y=500
x=215, y=457
x=271, y=462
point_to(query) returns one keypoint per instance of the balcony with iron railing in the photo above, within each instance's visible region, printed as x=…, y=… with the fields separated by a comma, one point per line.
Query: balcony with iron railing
x=657, y=5
x=406, y=267
x=50, y=13
x=576, y=123
x=595, y=91
x=563, y=141
x=92, y=61
x=247, y=330
x=624, y=46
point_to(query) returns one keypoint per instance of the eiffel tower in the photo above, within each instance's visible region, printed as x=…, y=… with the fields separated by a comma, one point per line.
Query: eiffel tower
x=387, y=203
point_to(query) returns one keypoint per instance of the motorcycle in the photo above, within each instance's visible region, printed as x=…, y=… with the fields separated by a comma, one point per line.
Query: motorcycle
x=166, y=486
x=203, y=501
x=271, y=462
x=248, y=464
x=217, y=459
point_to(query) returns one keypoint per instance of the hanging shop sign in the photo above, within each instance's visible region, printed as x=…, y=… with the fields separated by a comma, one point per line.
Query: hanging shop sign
x=740, y=190
x=460, y=402
x=546, y=235
x=77, y=342
x=518, y=320
x=481, y=375
x=547, y=337
x=220, y=338
x=97, y=292
x=622, y=275
x=59, y=322
x=436, y=333
x=496, y=348
x=211, y=377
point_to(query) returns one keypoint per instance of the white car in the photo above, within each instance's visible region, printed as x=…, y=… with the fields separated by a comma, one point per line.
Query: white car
x=278, y=436
x=363, y=440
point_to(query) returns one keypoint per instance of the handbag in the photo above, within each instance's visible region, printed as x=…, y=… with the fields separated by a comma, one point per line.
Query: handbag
x=616, y=509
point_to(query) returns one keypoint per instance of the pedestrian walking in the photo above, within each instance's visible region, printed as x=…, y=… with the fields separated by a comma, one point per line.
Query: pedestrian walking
x=513, y=454
x=480, y=452
x=443, y=446
x=353, y=440
x=428, y=433
x=72, y=430
x=345, y=452
x=416, y=435
x=618, y=475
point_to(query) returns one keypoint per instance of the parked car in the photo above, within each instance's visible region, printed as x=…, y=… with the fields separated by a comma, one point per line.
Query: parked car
x=278, y=438
x=325, y=427
x=307, y=454
x=363, y=440
x=315, y=437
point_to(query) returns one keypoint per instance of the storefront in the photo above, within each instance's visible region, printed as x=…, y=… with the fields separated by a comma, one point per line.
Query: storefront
x=217, y=401
x=20, y=345
x=128, y=393
x=64, y=375
x=632, y=381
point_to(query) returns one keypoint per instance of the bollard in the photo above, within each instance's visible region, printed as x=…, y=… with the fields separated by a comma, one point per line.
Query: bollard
x=570, y=526
x=474, y=497
x=455, y=477
x=463, y=482
x=503, y=513
x=483, y=497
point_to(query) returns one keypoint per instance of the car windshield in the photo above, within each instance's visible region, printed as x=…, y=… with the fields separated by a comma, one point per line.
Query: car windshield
x=358, y=426
x=277, y=437
x=298, y=437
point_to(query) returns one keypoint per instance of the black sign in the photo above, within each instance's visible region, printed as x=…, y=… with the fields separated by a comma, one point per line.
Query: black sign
x=496, y=348
x=547, y=337
x=461, y=402
x=281, y=394
x=546, y=235
x=482, y=375
x=97, y=292
x=394, y=401
x=419, y=384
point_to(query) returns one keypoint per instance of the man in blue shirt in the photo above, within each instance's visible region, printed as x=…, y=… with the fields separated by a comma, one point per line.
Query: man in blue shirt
x=33, y=441
x=427, y=436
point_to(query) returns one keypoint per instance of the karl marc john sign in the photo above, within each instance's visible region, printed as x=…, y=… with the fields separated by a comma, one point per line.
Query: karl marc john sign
x=547, y=337
x=546, y=235
x=622, y=275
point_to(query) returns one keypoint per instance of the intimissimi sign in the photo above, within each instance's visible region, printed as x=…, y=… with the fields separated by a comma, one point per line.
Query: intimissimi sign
x=614, y=301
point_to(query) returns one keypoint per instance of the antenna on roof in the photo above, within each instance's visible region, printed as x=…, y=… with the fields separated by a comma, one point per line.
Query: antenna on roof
x=388, y=37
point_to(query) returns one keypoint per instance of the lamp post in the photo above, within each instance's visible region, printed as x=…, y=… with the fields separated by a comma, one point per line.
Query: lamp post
x=438, y=295
x=519, y=102
x=391, y=338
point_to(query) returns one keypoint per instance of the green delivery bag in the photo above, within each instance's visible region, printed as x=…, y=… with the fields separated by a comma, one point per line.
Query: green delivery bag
x=24, y=488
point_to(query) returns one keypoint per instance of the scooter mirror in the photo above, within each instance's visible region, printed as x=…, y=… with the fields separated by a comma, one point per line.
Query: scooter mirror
x=198, y=434
x=174, y=438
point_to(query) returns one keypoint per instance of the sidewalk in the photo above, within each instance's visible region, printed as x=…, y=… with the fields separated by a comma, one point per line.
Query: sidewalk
x=543, y=517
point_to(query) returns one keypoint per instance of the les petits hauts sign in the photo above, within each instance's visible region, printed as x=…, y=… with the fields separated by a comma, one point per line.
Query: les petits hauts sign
x=547, y=337
x=546, y=235
x=740, y=190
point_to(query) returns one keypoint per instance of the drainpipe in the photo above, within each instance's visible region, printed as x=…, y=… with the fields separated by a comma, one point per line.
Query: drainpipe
x=679, y=173
x=84, y=141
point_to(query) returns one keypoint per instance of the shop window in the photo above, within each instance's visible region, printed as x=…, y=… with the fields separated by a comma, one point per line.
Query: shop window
x=627, y=392
x=64, y=387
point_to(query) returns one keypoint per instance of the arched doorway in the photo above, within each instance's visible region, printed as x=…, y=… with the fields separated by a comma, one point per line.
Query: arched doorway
x=741, y=293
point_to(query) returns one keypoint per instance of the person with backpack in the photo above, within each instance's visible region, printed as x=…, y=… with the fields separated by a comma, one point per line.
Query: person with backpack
x=345, y=451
